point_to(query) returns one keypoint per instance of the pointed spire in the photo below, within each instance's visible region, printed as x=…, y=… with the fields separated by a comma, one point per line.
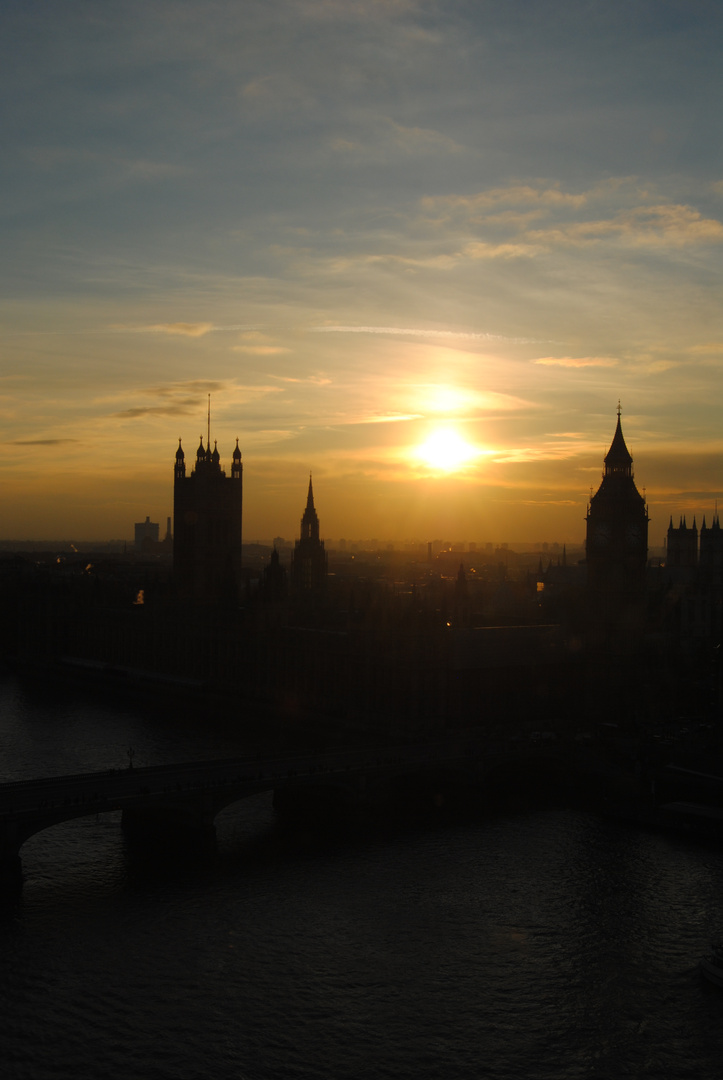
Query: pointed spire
x=180, y=471
x=618, y=458
x=310, y=519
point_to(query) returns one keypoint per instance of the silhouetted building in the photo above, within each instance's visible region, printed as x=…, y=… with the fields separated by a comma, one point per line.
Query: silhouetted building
x=207, y=511
x=617, y=528
x=711, y=550
x=275, y=585
x=309, y=560
x=681, y=558
x=146, y=534
x=693, y=578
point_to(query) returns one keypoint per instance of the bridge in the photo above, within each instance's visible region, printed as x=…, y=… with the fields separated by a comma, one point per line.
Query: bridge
x=182, y=800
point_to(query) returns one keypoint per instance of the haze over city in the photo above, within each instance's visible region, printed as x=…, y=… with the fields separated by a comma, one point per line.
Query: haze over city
x=420, y=250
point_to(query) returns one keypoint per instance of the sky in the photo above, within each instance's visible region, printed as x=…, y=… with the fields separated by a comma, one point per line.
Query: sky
x=418, y=249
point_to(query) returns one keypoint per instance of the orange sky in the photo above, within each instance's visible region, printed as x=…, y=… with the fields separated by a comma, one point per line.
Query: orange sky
x=359, y=226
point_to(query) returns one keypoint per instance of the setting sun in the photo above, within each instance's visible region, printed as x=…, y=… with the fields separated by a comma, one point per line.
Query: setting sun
x=446, y=450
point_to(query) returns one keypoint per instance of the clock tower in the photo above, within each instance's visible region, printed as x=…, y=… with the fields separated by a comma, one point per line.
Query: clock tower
x=617, y=528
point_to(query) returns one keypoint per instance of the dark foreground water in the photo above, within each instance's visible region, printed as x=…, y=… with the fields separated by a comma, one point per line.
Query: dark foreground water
x=548, y=944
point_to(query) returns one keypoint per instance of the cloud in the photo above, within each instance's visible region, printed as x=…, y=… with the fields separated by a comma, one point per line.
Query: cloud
x=421, y=332
x=256, y=343
x=260, y=350
x=479, y=249
x=316, y=380
x=508, y=233
x=40, y=442
x=577, y=361
x=390, y=418
x=179, y=409
x=669, y=224
x=184, y=398
x=711, y=348
x=201, y=386
x=518, y=194
x=183, y=328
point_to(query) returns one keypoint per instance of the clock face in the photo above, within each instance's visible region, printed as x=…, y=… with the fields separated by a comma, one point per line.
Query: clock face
x=601, y=534
x=634, y=535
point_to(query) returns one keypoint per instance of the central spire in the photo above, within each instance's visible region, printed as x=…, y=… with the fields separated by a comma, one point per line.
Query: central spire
x=310, y=519
x=618, y=458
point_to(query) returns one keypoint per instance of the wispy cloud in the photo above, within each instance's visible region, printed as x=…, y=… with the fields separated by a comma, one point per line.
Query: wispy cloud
x=186, y=398
x=710, y=348
x=390, y=418
x=315, y=380
x=670, y=224
x=177, y=329
x=184, y=329
x=196, y=387
x=260, y=350
x=389, y=135
x=423, y=333
x=577, y=361
x=515, y=194
x=40, y=442
x=177, y=409
x=636, y=217
x=480, y=249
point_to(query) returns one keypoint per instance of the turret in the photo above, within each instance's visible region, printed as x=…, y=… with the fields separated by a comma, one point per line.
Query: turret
x=180, y=470
x=236, y=465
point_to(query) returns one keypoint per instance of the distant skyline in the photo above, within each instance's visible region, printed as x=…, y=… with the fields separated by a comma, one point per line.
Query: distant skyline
x=418, y=249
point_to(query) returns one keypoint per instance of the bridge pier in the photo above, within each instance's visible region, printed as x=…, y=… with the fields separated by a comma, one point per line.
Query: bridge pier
x=11, y=867
x=172, y=828
x=11, y=871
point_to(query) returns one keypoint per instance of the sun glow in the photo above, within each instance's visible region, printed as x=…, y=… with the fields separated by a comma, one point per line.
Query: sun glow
x=447, y=451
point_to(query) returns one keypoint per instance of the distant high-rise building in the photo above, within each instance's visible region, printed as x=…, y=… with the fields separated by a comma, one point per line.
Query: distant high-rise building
x=146, y=533
x=617, y=527
x=207, y=512
x=309, y=560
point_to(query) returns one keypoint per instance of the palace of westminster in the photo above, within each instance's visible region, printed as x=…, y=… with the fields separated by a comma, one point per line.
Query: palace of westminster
x=439, y=644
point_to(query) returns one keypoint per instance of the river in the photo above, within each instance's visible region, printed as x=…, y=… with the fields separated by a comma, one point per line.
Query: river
x=545, y=944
